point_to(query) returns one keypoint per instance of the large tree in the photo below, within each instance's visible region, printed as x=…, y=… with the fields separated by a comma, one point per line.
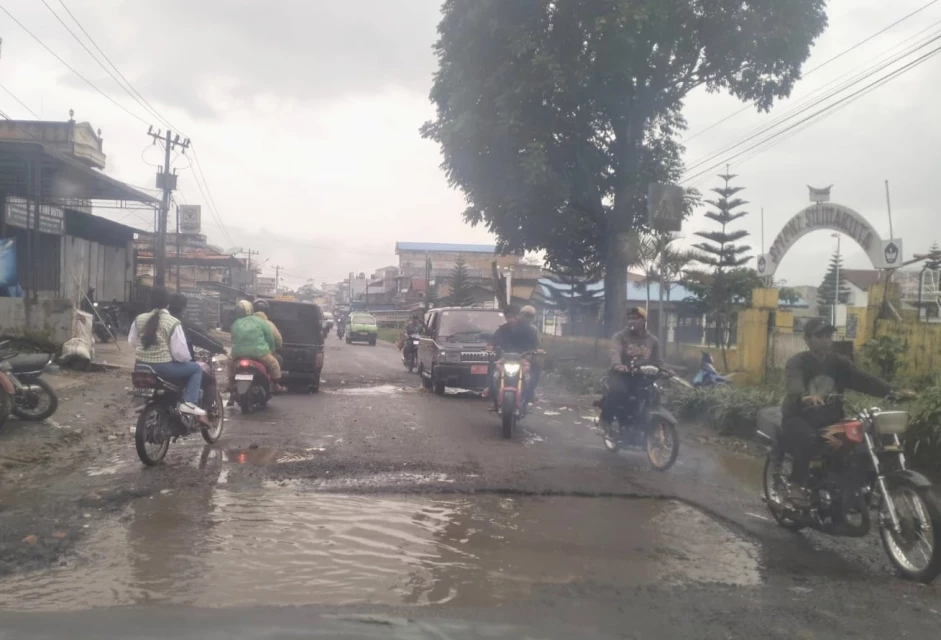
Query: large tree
x=554, y=116
x=460, y=286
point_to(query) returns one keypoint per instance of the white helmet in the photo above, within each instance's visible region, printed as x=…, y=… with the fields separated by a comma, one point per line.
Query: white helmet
x=528, y=310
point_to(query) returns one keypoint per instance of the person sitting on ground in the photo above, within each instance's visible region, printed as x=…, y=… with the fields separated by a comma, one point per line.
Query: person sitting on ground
x=159, y=342
x=252, y=338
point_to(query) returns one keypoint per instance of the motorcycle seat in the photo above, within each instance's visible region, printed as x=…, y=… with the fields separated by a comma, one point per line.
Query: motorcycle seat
x=170, y=384
x=26, y=362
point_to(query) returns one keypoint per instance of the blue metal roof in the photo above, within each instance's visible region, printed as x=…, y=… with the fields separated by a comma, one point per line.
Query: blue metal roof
x=445, y=246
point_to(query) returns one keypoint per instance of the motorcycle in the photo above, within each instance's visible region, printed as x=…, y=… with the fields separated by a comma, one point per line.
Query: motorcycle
x=708, y=375
x=410, y=351
x=639, y=420
x=252, y=385
x=32, y=398
x=105, y=323
x=862, y=470
x=341, y=330
x=512, y=373
x=160, y=421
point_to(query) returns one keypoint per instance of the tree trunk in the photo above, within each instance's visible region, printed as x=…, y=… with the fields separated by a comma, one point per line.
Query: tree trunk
x=615, y=283
x=660, y=323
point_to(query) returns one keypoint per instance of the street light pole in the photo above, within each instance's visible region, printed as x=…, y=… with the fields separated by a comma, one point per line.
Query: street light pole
x=836, y=284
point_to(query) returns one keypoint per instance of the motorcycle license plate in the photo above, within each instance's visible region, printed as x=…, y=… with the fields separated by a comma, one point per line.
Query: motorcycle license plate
x=144, y=393
x=244, y=376
x=478, y=369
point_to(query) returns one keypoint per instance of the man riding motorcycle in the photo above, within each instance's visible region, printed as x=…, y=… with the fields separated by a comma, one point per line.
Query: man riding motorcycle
x=527, y=318
x=812, y=376
x=252, y=338
x=261, y=310
x=635, y=343
x=196, y=338
x=513, y=336
x=413, y=328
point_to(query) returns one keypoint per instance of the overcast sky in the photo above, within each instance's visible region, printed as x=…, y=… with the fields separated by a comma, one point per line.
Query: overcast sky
x=305, y=116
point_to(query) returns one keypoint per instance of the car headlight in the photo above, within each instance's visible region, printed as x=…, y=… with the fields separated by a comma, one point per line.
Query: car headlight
x=449, y=356
x=511, y=369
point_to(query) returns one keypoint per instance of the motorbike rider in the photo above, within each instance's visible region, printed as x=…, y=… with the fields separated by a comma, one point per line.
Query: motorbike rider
x=252, y=338
x=194, y=337
x=513, y=336
x=260, y=307
x=811, y=376
x=527, y=319
x=413, y=328
x=635, y=343
x=159, y=342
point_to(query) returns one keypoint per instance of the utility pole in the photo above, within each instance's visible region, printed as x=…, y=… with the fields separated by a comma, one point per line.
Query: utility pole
x=167, y=182
x=277, y=278
x=251, y=272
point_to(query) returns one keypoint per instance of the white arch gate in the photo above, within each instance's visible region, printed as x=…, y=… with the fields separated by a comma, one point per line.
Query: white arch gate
x=884, y=254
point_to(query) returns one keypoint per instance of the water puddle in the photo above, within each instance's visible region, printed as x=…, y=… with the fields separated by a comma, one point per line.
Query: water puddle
x=378, y=390
x=218, y=547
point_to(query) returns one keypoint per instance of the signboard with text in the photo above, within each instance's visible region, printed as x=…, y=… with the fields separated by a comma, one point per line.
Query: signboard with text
x=49, y=219
x=190, y=218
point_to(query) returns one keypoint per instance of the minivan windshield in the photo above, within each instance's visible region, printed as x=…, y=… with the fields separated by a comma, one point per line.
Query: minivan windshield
x=360, y=318
x=469, y=324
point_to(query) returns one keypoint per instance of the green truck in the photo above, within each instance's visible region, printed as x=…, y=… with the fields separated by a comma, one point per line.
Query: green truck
x=362, y=328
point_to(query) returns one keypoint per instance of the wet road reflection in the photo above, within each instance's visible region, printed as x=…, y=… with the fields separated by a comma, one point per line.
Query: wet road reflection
x=223, y=547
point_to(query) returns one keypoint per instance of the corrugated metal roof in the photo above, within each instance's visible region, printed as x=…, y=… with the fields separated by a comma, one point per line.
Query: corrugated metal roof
x=445, y=246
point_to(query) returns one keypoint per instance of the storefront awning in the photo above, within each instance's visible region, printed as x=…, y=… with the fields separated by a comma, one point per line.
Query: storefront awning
x=62, y=179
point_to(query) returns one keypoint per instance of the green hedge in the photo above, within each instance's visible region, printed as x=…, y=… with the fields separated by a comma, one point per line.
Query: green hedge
x=731, y=411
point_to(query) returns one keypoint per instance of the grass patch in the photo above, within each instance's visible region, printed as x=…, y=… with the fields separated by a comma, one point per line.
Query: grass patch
x=389, y=334
x=731, y=411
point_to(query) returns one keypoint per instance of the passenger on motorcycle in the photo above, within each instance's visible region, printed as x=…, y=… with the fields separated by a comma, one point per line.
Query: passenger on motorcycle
x=261, y=310
x=252, y=338
x=812, y=377
x=633, y=343
x=159, y=342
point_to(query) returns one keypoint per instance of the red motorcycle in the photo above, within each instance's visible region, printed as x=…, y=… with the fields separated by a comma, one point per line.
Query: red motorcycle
x=253, y=387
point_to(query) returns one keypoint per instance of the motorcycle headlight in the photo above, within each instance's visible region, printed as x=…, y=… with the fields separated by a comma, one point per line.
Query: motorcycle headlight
x=511, y=369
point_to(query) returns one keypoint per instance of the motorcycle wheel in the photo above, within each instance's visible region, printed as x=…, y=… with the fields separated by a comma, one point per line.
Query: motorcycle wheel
x=410, y=363
x=46, y=405
x=774, y=496
x=216, y=415
x=6, y=405
x=920, y=520
x=509, y=422
x=245, y=402
x=662, y=445
x=153, y=430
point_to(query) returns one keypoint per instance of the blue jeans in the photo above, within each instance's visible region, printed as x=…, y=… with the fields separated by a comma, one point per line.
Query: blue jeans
x=179, y=370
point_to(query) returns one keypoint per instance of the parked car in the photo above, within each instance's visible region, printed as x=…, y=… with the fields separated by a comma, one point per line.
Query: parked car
x=453, y=350
x=363, y=328
x=301, y=327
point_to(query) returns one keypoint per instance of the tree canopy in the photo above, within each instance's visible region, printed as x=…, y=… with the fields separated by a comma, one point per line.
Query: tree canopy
x=554, y=116
x=460, y=285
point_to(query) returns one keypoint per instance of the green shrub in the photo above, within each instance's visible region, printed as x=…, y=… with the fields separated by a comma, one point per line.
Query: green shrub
x=729, y=410
x=578, y=380
x=924, y=436
x=883, y=355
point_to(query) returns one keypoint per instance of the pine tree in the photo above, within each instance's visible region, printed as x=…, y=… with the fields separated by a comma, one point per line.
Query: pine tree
x=826, y=292
x=460, y=295
x=723, y=254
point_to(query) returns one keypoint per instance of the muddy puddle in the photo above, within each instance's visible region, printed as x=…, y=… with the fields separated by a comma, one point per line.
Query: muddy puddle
x=219, y=547
x=376, y=390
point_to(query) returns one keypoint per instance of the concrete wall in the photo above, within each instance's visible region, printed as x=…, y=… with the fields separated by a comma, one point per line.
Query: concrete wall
x=46, y=321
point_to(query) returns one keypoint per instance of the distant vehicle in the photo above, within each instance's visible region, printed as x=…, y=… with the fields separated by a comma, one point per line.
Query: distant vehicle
x=363, y=328
x=453, y=349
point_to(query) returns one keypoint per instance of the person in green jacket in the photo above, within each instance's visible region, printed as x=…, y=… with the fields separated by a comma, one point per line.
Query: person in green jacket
x=252, y=338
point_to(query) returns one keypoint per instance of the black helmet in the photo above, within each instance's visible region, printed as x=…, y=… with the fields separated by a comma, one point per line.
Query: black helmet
x=260, y=305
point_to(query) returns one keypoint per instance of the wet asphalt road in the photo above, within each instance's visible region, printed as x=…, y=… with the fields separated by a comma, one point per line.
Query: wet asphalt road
x=376, y=497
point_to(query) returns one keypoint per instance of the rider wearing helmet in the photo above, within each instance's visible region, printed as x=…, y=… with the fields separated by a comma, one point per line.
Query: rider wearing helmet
x=260, y=307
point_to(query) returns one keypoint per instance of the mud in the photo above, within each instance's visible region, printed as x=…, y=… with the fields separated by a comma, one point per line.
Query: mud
x=229, y=547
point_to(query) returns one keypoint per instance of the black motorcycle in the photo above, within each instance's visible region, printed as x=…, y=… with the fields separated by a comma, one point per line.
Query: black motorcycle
x=33, y=398
x=639, y=420
x=410, y=351
x=160, y=421
x=861, y=469
x=341, y=330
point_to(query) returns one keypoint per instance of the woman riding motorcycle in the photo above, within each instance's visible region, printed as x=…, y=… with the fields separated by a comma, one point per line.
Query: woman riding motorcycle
x=159, y=342
x=252, y=338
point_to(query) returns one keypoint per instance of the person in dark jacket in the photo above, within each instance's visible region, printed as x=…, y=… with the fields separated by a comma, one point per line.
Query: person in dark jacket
x=194, y=337
x=815, y=382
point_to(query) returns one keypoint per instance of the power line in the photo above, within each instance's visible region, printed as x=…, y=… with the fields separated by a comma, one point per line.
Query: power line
x=820, y=66
x=71, y=68
x=21, y=103
x=829, y=109
x=797, y=111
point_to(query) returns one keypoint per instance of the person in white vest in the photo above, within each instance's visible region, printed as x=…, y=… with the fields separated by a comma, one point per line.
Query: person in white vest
x=159, y=342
